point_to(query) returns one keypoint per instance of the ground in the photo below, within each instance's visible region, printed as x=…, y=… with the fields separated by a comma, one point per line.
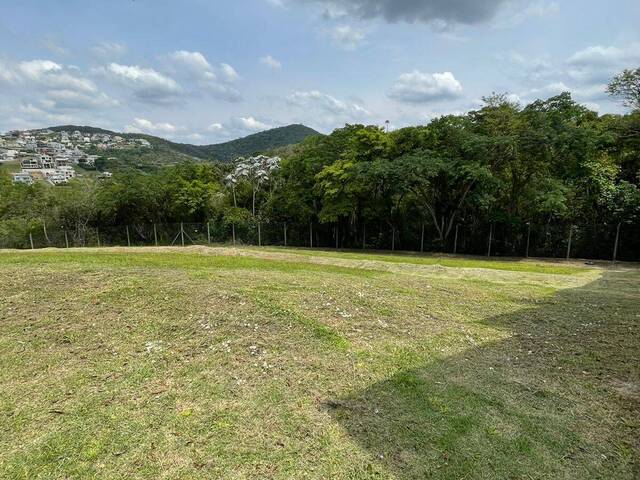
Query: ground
x=271, y=363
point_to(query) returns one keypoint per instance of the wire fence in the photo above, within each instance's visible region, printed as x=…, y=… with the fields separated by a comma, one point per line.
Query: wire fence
x=604, y=242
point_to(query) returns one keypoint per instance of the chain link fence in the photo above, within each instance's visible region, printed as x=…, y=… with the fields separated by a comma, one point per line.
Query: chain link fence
x=597, y=241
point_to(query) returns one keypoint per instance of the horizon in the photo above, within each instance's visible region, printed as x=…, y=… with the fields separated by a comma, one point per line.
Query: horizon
x=205, y=79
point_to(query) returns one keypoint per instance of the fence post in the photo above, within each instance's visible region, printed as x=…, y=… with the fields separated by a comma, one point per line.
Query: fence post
x=128, y=237
x=364, y=236
x=66, y=239
x=455, y=240
x=208, y=234
x=528, y=237
x=336, y=233
x=259, y=236
x=285, y=234
x=182, y=233
x=155, y=235
x=393, y=238
x=615, y=245
x=422, y=237
x=98, y=236
x=310, y=234
x=490, y=238
x=233, y=233
x=31, y=240
x=569, y=244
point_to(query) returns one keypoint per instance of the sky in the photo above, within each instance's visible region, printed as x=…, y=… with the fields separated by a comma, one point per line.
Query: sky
x=204, y=72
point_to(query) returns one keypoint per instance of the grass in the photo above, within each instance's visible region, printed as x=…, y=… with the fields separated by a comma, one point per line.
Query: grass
x=281, y=363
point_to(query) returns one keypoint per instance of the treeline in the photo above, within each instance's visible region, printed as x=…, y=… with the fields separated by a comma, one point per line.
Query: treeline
x=503, y=175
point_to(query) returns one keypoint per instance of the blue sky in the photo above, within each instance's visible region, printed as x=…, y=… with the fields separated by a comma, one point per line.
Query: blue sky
x=208, y=71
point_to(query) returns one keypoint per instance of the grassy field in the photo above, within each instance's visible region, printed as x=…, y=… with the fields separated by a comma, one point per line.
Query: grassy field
x=273, y=363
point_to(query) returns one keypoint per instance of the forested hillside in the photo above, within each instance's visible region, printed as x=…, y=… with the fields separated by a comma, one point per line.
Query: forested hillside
x=545, y=179
x=167, y=152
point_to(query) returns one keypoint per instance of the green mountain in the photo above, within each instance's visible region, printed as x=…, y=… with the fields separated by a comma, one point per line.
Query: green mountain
x=166, y=151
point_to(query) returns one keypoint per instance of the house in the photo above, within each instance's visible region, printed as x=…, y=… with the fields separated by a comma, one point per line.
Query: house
x=22, y=177
x=29, y=162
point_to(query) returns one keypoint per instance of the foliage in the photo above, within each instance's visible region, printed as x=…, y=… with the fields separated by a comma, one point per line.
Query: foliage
x=503, y=168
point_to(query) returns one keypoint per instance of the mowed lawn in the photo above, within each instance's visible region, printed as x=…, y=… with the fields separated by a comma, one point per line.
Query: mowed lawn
x=271, y=363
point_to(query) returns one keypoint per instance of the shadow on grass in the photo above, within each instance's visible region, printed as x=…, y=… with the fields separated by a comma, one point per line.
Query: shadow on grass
x=558, y=399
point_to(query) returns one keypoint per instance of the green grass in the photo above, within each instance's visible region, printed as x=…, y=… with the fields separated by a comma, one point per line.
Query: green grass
x=457, y=262
x=281, y=363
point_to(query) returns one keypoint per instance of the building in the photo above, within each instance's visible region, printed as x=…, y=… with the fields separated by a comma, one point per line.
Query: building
x=22, y=177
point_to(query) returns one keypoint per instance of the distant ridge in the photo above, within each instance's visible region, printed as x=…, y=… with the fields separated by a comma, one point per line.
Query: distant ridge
x=223, y=152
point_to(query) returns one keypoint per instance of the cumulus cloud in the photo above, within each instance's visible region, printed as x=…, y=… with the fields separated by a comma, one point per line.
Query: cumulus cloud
x=142, y=125
x=599, y=55
x=317, y=100
x=218, y=81
x=215, y=127
x=228, y=73
x=48, y=74
x=250, y=124
x=597, y=64
x=419, y=87
x=346, y=36
x=146, y=83
x=270, y=62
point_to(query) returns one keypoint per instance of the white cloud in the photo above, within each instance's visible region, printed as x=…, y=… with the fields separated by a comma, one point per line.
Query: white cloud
x=347, y=37
x=48, y=74
x=228, y=73
x=142, y=125
x=606, y=56
x=419, y=87
x=315, y=99
x=270, y=62
x=215, y=127
x=218, y=81
x=109, y=50
x=195, y=62
x=73, y=100
x=250, y=124
x=146, y=83
x=597, y=64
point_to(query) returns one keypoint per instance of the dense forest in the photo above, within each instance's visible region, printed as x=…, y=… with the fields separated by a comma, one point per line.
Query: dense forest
x=505, y=179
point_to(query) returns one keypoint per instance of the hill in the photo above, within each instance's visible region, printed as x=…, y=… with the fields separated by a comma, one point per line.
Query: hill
x=222, y=152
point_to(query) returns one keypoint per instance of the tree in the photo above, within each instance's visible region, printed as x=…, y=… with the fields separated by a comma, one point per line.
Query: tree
x=626, y=86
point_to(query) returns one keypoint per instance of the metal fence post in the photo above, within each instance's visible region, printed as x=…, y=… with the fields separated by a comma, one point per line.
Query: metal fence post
x=182, y=233
x=364, y=236
x=98, y=236
x=31, y=240
x=615, y=245
x=285, y=234
x=155, y=235
x=490, y=238
x=393, y=238
x=455, y=240
x=310, y=234
x=208, y=234
x=259, y=236
x=569, y=244
x=422, y=238
x=528, y=237
x=128, y=237
x=233, y=233
x=66, y=239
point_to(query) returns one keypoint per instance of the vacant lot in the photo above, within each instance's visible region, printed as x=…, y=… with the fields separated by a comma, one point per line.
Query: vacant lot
x=247, y=363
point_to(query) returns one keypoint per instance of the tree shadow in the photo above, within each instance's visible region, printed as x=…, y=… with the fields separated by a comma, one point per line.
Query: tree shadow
x=557, y=399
